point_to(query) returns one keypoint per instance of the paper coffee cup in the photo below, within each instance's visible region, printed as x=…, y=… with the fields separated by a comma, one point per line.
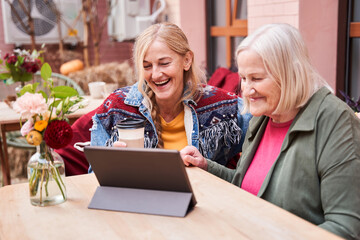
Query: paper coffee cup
x=131, y=131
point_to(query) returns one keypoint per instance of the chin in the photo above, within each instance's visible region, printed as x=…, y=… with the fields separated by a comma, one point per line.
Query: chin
x=164, y=97
x=256, y=113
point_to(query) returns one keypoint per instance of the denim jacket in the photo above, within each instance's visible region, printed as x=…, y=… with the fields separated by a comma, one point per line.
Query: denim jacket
x=214, y=124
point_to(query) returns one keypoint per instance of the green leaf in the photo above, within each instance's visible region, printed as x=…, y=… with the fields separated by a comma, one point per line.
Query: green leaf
x=63, y=92
x=5, y=76
x=55, y=103
x=26, y=77
x=46, y=71
x=27, y=88
x=43, y=94
x=20, y=61
x=31, y=88
x=41, y=59
x=35, y=85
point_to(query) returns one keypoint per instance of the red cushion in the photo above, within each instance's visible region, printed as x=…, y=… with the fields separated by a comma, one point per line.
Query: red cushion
x=225, y=79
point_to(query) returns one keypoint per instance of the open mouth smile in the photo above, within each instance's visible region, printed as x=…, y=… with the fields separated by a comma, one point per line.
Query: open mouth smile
x=162, y=83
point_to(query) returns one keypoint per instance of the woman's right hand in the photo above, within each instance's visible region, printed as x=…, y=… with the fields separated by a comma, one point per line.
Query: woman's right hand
x=119, y=144
x=191, y=156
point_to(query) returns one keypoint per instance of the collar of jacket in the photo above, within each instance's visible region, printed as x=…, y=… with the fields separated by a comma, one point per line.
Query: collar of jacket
x=135, y=98
x=304, y=121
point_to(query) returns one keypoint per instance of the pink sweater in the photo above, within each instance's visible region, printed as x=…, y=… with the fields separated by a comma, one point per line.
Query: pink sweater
x=265, y=156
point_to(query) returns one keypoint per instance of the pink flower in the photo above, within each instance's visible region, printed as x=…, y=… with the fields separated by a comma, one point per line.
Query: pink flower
x=30, y=104
x=27, y=127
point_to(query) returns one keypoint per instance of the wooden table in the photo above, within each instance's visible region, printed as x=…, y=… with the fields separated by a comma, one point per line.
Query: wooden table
x=9, y=121
x=223, y=211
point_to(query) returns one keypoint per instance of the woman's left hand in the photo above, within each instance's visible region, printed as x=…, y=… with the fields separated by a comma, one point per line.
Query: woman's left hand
x=191, y=156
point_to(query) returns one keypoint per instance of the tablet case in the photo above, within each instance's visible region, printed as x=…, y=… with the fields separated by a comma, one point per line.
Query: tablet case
x=151, y=181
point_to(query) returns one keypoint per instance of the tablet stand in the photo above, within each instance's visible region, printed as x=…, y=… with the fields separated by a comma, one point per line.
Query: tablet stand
x=157, y=202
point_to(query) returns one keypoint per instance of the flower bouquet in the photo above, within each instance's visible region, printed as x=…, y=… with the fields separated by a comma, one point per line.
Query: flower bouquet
x=20, y=66
x=47, y=128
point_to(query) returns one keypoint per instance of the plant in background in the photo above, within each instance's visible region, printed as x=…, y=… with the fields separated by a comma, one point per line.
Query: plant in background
x=20, y=66
x=47, y=127
x=354, y=105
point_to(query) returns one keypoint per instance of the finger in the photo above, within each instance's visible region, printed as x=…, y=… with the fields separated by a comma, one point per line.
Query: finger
x=119, y=144
x=188, y=150
x=188, y=160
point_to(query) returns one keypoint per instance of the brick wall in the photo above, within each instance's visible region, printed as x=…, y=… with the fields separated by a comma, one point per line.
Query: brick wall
x=316, y=20
x=261, y=12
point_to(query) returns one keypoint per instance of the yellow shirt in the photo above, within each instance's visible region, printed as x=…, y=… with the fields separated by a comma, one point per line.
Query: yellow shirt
x=173, y=133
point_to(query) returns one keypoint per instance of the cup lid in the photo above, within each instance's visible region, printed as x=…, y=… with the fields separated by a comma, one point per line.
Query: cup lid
x=130, y=123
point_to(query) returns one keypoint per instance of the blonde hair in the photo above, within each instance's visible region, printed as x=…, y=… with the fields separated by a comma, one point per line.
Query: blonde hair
x=286, y=60
x=176, y=40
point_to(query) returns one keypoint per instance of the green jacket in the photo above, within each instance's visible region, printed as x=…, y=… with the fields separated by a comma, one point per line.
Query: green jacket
x=317, y=173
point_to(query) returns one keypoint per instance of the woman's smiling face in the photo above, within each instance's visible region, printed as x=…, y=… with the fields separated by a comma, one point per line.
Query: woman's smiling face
x=164, y=72
x=257, y=86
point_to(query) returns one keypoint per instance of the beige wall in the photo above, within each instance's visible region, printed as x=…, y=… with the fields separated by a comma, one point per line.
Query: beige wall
x=262, y=12
x=172, y=11
x=193, y=23
x=316, y=20
x=190, y=16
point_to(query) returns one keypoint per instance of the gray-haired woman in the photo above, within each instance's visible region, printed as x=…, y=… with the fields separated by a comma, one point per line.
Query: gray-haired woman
x=302, y=147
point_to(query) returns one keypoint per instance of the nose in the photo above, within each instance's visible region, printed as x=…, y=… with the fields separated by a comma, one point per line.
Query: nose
x=247, y=88
x=156, y=72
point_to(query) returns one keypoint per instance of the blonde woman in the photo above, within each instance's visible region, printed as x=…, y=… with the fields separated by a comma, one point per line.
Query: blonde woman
x=302, y=148
x=171, y=96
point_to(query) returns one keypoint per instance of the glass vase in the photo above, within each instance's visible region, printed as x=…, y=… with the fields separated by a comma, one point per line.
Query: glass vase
x=46, y=173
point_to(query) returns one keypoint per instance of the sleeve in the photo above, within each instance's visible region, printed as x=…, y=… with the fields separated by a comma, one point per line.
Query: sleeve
x=99, y=135
x=339, y=172
x=242, y=122
x=220, y=170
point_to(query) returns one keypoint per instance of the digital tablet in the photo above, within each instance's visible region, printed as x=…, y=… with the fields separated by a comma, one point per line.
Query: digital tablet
x=158, y=174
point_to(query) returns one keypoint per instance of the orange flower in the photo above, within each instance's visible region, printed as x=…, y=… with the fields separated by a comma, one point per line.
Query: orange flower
x=40, y=125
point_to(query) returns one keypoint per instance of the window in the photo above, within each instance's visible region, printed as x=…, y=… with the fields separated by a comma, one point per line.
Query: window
x=354, y=51
x=348, y=61
x=227, y=26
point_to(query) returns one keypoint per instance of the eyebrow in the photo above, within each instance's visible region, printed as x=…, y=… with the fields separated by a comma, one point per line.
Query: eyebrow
x=160, y=59
x=253, y=73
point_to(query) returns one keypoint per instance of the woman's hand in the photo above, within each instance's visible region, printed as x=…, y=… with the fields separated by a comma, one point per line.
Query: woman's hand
x=119, y=144
x=191, y=156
